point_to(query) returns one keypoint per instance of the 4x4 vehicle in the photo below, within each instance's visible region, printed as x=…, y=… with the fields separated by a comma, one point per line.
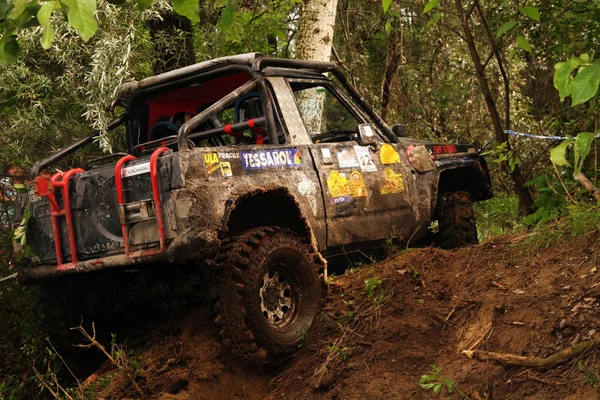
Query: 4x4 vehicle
x=230, y=168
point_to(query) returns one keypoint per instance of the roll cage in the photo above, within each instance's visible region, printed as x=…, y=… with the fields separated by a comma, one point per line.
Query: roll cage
x=255, y=65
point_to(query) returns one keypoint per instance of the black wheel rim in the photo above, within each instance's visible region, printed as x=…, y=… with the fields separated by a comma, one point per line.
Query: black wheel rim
x=279, y=296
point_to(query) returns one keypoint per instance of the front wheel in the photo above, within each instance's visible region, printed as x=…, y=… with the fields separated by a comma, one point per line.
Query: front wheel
x=268, y=294
x=457, y=226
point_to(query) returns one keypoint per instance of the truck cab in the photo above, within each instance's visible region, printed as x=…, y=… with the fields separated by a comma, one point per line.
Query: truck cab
x=264, y=166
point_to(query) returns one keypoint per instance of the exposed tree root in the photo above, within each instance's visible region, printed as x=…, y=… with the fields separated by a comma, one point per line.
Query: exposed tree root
x=542, y=363
x=93, y=378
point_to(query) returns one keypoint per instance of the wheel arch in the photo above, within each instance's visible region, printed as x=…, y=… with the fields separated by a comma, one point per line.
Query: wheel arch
x=269, y=207
x=471, y=178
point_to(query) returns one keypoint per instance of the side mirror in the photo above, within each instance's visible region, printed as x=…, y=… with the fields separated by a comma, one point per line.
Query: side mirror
x=398, y=130
x=366, y=136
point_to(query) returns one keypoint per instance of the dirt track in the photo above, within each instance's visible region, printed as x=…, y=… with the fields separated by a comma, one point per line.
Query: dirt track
x=425, y=307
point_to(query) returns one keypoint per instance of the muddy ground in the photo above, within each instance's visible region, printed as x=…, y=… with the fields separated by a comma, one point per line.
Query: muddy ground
x=385, y=325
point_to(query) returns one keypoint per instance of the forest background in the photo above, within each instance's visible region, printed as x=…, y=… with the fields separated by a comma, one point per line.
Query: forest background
x=451, y=71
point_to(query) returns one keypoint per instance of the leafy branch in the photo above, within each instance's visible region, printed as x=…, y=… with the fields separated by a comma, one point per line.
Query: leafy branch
x=19, y=15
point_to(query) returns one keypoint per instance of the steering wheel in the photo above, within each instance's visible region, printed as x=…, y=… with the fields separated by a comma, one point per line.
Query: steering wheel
x=333, y=136
x=163, y=129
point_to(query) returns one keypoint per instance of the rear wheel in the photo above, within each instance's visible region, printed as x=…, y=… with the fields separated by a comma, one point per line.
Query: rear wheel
x=456, y=220
x=268, y=295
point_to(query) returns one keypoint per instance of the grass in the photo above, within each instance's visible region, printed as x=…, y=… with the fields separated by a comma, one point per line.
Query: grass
x=580, y=220
x=497, y=216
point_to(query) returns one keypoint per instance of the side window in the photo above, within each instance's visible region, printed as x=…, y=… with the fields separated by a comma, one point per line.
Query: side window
x=326, y=118
x=240, y=122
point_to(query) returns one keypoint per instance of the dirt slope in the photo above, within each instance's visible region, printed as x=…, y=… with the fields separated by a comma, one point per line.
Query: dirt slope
x=384, y=325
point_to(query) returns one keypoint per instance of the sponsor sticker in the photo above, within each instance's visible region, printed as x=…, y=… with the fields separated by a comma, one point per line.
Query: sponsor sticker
x=356, y=185
x=226, y=169
x=229, y=156
x=134, y=170
x=252, y=160
x=342, y=200
x=340, y=189
x=389, y=155
x=347, y=158
x=364, y=159
x=393, y=182
x=211, y=162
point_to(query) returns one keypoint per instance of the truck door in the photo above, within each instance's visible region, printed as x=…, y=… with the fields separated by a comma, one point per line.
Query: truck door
x=364, y=187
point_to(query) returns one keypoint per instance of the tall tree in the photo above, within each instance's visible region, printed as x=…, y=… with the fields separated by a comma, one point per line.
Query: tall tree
x=465, y=15
x=315, y=40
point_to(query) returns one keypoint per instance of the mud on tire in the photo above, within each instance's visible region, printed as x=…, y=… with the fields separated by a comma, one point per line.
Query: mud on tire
x=456, y=220
x=268, y=293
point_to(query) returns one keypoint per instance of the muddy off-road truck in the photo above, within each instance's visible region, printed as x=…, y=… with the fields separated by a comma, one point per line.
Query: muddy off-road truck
x=222, y=173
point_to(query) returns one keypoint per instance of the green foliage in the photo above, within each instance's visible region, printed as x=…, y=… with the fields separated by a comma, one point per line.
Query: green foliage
x=228, y=15
x=386, y=4
x=124, y=357
x=23, y=341
x=507, y=26
x=431, y=4
x=19, y=233
x=531, y=12
x=81, y=17
x=581, y=148
x=558, y=155
x=371, y=285
x=550, y=201
x=187, y=8
x=43, y=17
x=524, y=43
x=591, y=378
x=343, y=352
x=502, y=153
x=437, y=383
x=581, y=87
x=585, y=84
x=497, y=216
x=20, y=15
x=575, y=220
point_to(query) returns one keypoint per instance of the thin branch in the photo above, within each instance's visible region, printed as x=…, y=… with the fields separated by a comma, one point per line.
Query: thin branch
x=470, y=10
x=94, y=343
x=563, y=184
x=343, y=65
x=498, y=56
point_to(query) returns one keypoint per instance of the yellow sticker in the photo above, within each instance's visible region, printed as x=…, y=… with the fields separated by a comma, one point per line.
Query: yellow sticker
x=393, y=182
x=226, y=168
x=337, y=184
x=389, y=155
x=211, y=162
x=356, y=186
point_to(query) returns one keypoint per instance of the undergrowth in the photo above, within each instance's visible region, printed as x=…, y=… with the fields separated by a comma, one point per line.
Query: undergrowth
x=579, y=220
x=25, y=353
x=497, y=216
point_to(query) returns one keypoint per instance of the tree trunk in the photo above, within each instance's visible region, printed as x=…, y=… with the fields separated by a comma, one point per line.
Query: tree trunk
x=272, y=42
x=173, y=42
x=525, y=198
x=315, y=38
x=392, y=61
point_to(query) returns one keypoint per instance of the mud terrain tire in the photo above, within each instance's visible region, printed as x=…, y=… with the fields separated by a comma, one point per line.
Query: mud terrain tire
x=268, y=294
x=456, y=221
